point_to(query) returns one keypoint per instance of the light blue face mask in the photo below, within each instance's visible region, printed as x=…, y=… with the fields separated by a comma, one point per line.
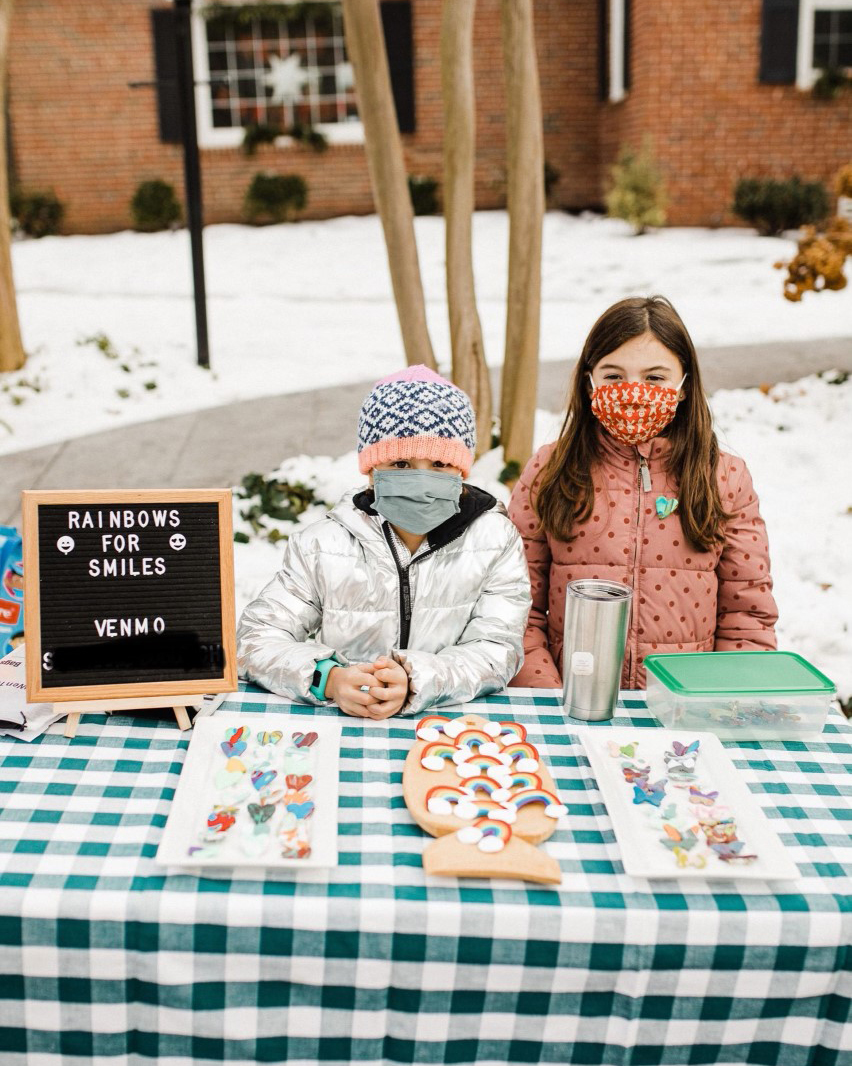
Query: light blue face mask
x=417, y=501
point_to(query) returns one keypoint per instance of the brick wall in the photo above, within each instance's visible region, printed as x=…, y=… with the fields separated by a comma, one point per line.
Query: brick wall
x=77, y=128
x=695, y=92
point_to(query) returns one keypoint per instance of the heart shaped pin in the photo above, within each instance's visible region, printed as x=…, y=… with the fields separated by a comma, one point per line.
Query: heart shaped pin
x=236, y=748
x=304, y=740
x=665, y=507
x=301, y=810
x=225, y=778
x=235, y=764
x=262, y=778
x=260, y=812
x=269, y=738
x=255, y=845
x=220, y=821
x=297, y=783
x=207, y=852
x=296, y=761
x=288, y=823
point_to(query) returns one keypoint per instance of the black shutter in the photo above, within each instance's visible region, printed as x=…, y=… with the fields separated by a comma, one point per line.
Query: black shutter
x=627, y=45
x=165, y=71
x=399, y=43
x=603, y=50
x=779, y=36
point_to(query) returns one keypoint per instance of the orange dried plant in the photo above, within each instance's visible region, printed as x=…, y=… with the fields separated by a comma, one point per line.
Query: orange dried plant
x=819, y=261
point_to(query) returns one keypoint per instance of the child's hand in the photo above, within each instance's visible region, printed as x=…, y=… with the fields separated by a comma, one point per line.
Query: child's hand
x=391, y=692
x=344, y=685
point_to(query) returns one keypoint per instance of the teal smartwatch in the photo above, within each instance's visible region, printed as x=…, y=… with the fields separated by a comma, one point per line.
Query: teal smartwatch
x=321, y=672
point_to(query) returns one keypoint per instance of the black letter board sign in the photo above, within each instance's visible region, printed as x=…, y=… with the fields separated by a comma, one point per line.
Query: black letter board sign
x=128, y=593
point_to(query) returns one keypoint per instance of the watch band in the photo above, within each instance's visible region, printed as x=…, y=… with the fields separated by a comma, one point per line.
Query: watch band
x=321, y=672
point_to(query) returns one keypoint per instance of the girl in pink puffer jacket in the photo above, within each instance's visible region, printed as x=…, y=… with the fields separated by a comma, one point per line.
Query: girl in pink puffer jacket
x=636, y=490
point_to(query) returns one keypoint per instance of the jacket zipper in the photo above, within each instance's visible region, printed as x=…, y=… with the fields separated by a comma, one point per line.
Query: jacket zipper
x=643, y=485
x=405, y=605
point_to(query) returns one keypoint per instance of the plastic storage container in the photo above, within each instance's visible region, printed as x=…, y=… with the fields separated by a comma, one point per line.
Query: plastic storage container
x=739, y=695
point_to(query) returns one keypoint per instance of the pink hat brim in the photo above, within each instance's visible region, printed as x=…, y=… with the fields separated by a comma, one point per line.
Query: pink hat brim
x=439, y=449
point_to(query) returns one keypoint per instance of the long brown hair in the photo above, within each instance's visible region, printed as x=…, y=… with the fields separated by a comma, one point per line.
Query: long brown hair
x=564, y=489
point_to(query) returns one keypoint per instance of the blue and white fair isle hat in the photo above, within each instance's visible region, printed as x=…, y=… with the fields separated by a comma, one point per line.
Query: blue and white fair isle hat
x=416, y=414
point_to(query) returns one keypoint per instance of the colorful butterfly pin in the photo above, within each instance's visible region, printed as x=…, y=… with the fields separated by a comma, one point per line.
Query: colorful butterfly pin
x=634, y=773
x=720, y=832
x=682, y=758
x=674, y=838
x=650, y=793
x=683, y=858
x=697, y=796
x=627, y=750
x=732, y=851
x=665, y=507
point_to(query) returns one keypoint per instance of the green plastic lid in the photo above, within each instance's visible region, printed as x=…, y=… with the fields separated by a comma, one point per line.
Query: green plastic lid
x=749, y=673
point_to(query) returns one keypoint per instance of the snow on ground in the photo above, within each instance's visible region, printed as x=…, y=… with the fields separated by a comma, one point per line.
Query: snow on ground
x=797, y=442
x=109, y=323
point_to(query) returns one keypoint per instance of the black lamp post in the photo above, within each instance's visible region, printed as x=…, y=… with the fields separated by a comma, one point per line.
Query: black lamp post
x=192, y=170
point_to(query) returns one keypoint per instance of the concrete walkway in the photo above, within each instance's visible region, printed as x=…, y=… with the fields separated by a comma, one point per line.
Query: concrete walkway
x=218, y=446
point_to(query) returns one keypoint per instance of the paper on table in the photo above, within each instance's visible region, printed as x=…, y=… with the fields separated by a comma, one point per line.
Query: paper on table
x=36, y=717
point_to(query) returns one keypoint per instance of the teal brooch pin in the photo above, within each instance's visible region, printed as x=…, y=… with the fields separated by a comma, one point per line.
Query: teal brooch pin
x=665, y=506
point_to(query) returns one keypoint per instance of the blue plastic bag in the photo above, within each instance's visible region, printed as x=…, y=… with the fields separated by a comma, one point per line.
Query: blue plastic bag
x=11, y=589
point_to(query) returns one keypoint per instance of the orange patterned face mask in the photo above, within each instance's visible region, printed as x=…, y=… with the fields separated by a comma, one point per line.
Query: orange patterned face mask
x=634, y=411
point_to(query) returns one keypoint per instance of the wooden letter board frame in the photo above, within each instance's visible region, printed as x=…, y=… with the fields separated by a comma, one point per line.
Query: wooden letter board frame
x=147, y=693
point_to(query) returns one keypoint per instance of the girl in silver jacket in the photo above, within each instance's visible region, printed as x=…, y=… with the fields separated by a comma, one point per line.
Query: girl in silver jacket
x=410, y=593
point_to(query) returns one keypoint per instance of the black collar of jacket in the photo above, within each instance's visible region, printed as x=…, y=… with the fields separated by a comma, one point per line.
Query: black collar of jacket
x=474, y=502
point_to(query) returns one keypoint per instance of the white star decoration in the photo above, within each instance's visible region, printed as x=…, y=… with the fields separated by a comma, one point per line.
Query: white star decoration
x=287, y=78
x=344, y=77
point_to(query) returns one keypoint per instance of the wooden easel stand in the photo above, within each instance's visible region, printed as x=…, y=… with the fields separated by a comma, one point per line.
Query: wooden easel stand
x=134, y=703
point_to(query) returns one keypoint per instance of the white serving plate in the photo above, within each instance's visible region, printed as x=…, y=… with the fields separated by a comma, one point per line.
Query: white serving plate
x=197, y=793
x=642, y=852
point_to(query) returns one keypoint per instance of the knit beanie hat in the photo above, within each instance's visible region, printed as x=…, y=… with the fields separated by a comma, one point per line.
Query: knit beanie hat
x=416, y=414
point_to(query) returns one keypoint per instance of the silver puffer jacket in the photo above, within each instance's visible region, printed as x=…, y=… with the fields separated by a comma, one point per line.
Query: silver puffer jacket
x=340, y=591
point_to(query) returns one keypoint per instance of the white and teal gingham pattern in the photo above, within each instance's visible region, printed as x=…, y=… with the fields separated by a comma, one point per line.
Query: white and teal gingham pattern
x=104, y=959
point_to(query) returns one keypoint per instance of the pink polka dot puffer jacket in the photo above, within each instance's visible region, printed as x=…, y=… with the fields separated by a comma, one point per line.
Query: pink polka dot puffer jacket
x=683, y=599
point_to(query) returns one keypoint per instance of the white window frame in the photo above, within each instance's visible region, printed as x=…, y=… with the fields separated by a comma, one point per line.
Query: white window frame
x=210, y=136
x=617, y=92
x=806, y=73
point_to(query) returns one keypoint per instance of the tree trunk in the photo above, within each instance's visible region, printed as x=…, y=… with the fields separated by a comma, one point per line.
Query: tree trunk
x=366, y=47
x=470, y=371
x=12, y=355
x=525, y=151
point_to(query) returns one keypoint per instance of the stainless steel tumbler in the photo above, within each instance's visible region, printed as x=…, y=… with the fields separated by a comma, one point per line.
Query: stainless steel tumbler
x=597, y=614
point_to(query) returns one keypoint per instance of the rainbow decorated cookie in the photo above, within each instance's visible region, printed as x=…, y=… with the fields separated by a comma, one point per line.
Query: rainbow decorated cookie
x=483, y=790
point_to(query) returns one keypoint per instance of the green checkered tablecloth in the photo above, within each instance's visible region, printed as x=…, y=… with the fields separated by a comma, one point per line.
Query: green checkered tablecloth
x=105, y=960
